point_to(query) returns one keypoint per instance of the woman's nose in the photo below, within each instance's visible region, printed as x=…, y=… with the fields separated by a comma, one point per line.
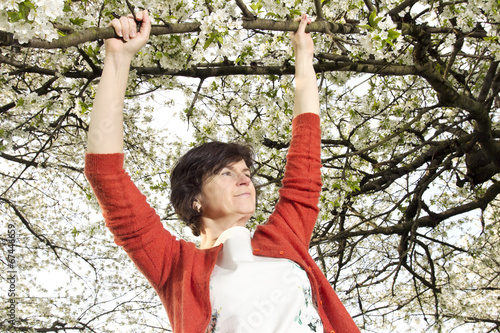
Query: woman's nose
x=244, y=179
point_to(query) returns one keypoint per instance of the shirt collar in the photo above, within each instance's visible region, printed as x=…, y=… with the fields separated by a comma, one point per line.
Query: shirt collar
x=237, y=247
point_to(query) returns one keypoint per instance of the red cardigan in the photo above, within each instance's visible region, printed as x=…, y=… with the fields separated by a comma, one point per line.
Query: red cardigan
x=180, y=272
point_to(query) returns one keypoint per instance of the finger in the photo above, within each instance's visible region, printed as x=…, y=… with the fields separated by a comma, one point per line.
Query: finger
x=146, y=23
x=124, y=21
x=138, y=15
x=303, y=24
x=115, y=23
x=132, y=25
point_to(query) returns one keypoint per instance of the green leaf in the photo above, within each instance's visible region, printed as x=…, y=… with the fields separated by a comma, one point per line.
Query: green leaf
x=257, y=7
x=393, y=34
x=273, y=15
x=24, y=10
x=490, y=38
x=177, y=38
x=365, y=26
x=85, y=107
x=371, y=19
x=28, y=5
x=77, y=21
x=67, y=6
x=14, y=16
x=179, y=6
x=208, y=42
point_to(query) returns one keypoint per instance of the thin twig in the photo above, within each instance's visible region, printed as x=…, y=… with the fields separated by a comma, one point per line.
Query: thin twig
x=191, y=107
x=131, y=8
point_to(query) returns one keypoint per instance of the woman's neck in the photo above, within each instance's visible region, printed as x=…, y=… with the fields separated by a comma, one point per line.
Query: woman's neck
x=211, y=231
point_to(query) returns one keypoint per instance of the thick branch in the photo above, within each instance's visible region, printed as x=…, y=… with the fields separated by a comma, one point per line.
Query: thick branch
x=402, y=6
x=224, y=70
x=429, y=221
x=319, y=9
x=340, y=64
x=25, y=68
x=488, y=81
x=385, y=178
x=93, y=34
x=62, y=327
x=449, y=96
x=322, y=26
x=20, y=160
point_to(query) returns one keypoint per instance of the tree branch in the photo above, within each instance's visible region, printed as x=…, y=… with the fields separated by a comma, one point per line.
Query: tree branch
x=319, y=9
x=429, y=221
x=93, y=34
x=402, y=6
x=488, y=81
x=244, y=9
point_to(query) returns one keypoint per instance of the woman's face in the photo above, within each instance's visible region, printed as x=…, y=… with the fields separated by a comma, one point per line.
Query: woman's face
x=229, y=194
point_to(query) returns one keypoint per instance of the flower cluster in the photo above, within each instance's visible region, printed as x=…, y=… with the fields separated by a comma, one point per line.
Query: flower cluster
x=381, y=33
x=216, y=26
x=29, y=20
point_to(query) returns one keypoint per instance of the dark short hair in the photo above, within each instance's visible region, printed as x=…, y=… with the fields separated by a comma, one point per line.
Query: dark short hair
x=194, y=167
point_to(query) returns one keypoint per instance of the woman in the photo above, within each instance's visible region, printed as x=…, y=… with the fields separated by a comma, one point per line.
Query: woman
x=233, y=282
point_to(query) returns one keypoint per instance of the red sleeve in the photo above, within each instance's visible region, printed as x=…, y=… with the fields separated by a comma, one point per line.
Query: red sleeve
x=297, y=208
x=135, y=225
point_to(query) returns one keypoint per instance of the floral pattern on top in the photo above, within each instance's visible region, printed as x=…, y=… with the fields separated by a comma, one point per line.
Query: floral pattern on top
x=212, y=327
x=306, y=318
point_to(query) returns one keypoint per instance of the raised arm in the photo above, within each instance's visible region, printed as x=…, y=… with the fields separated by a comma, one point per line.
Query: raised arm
x=295, y=214
x=306, y=88
x=134, y=223
x=106, y=120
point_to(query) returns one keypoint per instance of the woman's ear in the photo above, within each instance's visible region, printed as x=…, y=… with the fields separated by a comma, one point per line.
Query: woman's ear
x=197, y=205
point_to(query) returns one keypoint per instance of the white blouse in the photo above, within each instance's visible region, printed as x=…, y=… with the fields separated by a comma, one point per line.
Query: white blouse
x=258, y=294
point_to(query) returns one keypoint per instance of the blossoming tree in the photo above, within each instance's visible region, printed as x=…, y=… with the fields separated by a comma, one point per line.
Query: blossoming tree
x=408, y=231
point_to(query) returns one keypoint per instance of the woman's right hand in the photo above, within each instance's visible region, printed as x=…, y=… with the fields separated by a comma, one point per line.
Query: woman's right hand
x=131, y=40
x=105, y=134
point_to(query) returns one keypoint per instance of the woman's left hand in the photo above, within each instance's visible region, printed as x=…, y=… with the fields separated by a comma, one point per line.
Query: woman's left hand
x=302, y=42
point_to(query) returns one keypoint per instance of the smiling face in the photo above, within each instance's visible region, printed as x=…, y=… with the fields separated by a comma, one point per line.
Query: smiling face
x=229, y=195
x=193, y=170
